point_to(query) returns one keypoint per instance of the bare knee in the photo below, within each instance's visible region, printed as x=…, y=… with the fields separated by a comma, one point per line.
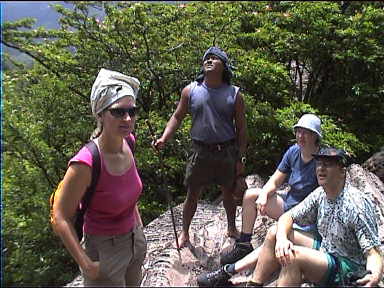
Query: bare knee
x=191, y=200
x=251, y=195
x=300, y=258
x=271, y=234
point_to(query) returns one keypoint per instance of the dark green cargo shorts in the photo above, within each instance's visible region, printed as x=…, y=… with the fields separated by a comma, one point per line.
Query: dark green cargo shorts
x=211, y=166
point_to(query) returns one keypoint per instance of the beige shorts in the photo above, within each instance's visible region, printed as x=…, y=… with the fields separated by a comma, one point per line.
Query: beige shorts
x=121, y=258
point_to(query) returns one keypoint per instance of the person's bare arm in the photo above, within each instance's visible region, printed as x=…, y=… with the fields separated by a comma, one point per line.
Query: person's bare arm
x=175, y=120
x=284, y=248
x=75, y=183
x=241, y=124
x=241, y=131
x=138, y=216
x=274, y=182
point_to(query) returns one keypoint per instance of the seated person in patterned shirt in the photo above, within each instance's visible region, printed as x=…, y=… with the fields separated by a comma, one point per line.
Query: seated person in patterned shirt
x=347, y=223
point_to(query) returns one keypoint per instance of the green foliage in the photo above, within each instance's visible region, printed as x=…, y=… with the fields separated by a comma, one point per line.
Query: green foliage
x=290, y=58
x=265, y=138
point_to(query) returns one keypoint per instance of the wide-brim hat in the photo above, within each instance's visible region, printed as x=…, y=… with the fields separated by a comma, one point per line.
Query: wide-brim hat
x=310, y=122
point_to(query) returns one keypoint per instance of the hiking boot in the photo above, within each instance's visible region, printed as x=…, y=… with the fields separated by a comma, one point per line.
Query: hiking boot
x=218, y=278
x=239, y=251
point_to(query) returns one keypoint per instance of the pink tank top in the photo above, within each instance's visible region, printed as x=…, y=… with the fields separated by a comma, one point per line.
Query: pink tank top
x=111, y=211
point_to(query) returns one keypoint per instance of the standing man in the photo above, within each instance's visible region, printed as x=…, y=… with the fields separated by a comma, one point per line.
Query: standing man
x=218, y=135
x=347, y=223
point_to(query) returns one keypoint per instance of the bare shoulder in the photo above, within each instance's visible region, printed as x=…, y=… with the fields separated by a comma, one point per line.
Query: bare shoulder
x=185, y=91
x=239, y=103
x=239, y=96
x=185, y=95
x=78, y=176
x=75, y=182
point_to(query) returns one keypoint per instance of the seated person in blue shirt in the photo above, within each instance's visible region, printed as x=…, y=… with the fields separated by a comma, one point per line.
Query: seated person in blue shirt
x=299, y=165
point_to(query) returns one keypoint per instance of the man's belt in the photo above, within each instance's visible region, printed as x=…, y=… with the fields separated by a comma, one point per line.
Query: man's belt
x=215, y=146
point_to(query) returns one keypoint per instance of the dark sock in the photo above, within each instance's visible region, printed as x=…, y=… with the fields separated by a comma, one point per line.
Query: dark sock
x=230, y=269
x=245, y=237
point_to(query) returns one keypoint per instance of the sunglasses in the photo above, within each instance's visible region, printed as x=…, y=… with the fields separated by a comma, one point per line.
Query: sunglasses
x=120, y=112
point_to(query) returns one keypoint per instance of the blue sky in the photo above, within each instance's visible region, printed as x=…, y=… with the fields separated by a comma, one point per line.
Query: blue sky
x=45, y=15
x=14, y=10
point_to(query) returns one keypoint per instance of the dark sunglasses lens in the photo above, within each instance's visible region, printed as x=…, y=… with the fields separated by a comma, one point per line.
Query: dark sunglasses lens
x=132, y=111
x=120, y=112
x=117, y=112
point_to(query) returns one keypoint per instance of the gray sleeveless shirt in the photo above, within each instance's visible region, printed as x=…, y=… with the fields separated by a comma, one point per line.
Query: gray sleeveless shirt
x=212, y=111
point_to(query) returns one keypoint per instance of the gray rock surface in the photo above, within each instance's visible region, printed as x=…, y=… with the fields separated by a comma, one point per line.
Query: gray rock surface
x=375, y=164
x=164, y=266
x=371, y=185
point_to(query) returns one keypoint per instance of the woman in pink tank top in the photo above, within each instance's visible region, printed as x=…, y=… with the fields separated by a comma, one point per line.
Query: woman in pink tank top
x=113, y=247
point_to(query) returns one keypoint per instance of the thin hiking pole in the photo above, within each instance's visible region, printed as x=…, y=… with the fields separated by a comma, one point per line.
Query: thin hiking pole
x=167, y=194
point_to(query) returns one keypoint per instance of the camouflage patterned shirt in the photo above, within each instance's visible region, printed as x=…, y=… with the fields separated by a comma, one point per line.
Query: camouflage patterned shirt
x=347, y=225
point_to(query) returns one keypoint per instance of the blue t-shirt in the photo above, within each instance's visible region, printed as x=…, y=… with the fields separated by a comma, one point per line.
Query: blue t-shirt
x=302, y=176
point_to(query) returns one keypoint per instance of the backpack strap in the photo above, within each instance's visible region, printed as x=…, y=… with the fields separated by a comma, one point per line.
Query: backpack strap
x=96, y=167
x=131, y=144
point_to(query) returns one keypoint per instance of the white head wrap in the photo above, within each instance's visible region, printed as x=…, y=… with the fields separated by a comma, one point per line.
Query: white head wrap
x=109, y=87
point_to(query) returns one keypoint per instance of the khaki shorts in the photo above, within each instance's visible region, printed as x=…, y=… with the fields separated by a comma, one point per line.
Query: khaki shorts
x=120, y=256
x=206, y=167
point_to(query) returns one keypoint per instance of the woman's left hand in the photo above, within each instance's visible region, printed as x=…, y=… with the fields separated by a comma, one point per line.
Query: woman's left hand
x=92, y=271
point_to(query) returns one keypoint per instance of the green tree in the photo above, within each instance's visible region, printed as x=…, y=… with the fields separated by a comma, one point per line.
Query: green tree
x=290, y=58
x=332, y=53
